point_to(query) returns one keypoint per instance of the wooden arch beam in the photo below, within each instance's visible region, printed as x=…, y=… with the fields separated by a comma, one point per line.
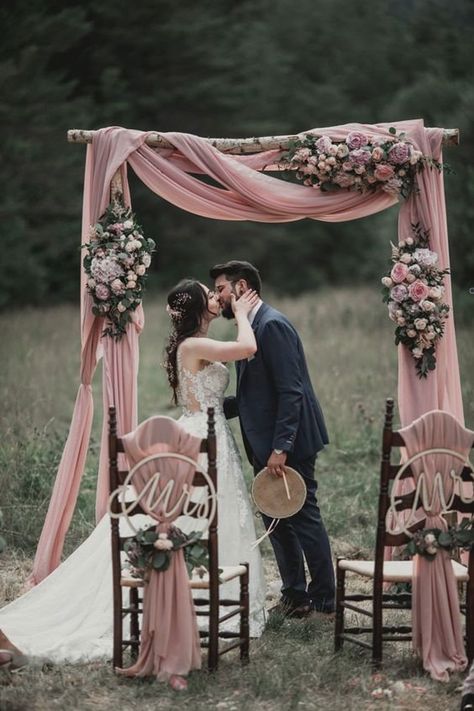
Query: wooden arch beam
x=235, y=145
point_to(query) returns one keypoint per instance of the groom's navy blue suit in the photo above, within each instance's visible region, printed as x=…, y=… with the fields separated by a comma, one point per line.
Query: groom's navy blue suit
x=278, y=409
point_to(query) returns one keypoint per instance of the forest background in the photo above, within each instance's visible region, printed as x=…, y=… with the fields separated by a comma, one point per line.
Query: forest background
x=232, y=68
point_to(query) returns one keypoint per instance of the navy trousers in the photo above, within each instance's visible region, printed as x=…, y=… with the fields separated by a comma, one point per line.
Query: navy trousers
x=299, y=537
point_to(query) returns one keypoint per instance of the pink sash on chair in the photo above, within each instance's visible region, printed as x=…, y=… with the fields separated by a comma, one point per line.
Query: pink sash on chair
x=437, y=632
x=169, y=641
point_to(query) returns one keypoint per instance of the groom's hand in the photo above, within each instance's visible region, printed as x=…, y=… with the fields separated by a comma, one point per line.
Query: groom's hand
x=276, y=462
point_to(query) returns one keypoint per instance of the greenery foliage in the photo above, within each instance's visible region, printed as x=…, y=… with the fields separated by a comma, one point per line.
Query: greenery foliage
x=228, y=68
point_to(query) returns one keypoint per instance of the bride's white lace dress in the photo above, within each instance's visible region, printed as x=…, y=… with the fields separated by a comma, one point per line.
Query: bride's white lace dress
x=236, y=529
x=68, y=616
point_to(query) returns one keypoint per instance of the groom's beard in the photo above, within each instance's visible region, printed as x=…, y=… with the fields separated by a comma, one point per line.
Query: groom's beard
x=227, y=312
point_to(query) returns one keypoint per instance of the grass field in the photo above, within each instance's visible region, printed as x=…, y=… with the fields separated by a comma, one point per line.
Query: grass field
x=349, y=345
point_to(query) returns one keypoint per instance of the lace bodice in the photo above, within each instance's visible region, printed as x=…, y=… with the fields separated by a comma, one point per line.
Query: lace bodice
x=206, y=388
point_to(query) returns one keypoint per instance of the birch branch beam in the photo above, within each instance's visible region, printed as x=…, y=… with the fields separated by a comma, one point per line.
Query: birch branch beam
x=235, y=145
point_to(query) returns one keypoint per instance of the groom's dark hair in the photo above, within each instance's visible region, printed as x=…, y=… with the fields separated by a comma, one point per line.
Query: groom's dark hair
x=235, y=270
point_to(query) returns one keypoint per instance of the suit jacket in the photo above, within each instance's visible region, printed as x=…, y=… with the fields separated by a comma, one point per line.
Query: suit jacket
x=275, y=400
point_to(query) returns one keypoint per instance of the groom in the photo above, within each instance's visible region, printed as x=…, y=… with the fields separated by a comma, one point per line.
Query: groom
x=282, y=424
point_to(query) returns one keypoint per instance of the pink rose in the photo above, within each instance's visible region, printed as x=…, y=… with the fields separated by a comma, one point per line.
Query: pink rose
x=418, y=290
x=102, y=292
x=347, y=166
x=399, y=272
x=384, y=172
x=302, y=154
x=356, y=140
x=399, y=153
x=377, y=154
x=344, y=180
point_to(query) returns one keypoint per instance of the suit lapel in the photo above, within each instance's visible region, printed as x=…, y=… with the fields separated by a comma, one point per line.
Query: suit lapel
x=242, y=364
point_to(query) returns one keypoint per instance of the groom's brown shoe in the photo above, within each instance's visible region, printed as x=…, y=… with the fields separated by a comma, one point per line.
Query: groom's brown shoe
x=285, y=609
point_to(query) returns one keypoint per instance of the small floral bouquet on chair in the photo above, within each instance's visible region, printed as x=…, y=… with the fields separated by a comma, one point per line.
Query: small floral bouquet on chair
x=117, y=258
x=413, y=291
x=150, y=550
x=429, y=541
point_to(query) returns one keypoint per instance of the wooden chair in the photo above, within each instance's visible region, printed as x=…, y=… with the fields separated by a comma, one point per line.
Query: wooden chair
x=216, y=577
x=372, y=605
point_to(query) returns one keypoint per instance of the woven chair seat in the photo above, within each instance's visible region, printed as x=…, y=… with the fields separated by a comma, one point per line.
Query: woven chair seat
x=226, y=573
x=396, y=571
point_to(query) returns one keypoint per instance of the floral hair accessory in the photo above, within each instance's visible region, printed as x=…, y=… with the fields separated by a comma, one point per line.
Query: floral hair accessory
x=116, y=263
x=413, y=290
x=176, y=312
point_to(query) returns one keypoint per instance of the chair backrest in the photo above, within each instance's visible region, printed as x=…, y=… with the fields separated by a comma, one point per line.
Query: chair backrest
x=134, y=509
x=402, y=510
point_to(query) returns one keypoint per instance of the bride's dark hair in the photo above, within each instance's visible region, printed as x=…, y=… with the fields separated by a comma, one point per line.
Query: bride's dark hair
x=187, y=304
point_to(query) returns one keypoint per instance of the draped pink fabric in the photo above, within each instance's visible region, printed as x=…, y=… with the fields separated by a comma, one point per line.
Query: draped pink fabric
x=120, y=369
x=437, y=633
x=169, y=642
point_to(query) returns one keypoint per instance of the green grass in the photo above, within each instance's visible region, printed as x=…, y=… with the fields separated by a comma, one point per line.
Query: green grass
x=349, y=345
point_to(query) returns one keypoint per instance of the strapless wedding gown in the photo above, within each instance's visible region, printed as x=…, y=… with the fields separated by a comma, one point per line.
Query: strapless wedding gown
x=68, y=616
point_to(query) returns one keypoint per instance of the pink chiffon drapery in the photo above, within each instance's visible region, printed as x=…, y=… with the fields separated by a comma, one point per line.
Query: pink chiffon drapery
x=169, y=640
x=243, y=192
x=437, y=633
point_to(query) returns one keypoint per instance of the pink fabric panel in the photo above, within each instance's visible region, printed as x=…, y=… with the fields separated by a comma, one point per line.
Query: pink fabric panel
x=169, y=641
x=104, y=157
x=441, y=390
x=437, y=633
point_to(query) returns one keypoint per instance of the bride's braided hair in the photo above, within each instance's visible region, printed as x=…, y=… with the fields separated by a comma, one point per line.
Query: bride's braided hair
x=187, y=304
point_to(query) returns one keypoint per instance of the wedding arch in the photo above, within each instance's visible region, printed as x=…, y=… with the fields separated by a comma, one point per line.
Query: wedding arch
x=169, y=164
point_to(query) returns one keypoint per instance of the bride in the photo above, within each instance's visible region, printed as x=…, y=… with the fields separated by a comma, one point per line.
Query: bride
x=68, y=616
x=198, y=377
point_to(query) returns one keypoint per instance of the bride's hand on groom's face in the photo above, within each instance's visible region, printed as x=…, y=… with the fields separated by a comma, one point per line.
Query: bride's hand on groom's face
x=245, y=303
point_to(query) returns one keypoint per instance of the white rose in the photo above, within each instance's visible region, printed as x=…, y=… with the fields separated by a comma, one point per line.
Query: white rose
x=140, y=269
x=117, y=285
x=121, y=307
x=429, y=539
x=163, y=544
x=420, y=324
x=131, y=284
x=417, y=353
x=402, y=243
x=91, y=283
x=342, y=150
x=405, y=258
x=163, y=536
x=386, y=281
x=146, y=260
x=431, y=550
x=331, y=161
x=129, y=246
x=415, y=157
x=131, y=276
x=436, y=292
x=427, y=305
x=333, y=150
x=410, y=278
x=128, y=224
x=398, y=313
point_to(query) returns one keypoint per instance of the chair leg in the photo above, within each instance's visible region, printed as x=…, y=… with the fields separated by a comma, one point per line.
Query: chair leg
x=134, y=625
x=244, y=616
x=213, y=650
x=469, y=621
x=117, y=656
x=340, y=595
x=377, y=621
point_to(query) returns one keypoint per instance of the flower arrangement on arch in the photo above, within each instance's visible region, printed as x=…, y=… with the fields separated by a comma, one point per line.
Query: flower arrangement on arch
x=149, y=550
x=414, y=291
x=116, y=262
x=360, y=162
x=429, y=541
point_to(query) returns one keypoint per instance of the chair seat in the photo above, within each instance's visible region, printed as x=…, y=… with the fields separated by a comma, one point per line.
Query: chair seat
x=226, y=573
x=396, y=571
